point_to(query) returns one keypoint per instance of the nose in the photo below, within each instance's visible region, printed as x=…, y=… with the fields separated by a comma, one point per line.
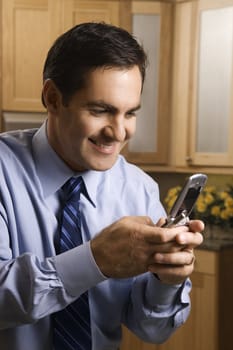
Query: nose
x=116, y=129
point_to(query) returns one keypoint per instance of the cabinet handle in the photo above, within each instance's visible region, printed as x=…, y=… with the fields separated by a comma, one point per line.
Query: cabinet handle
x=189, y=160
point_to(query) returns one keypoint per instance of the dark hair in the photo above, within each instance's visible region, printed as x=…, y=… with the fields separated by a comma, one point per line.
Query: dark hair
x=86, y=47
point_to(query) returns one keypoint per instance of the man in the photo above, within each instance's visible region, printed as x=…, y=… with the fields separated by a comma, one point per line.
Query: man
x=132, y=271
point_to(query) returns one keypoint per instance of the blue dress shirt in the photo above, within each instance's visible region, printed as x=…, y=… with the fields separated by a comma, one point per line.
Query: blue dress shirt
x=35, y=282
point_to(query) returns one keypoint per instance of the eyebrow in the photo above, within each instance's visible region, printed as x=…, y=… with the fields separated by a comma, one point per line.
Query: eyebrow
x=108, y=107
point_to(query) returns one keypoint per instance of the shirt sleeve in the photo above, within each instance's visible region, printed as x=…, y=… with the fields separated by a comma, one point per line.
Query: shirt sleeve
x=33, y=288
x=77, y=281
x=156, y=310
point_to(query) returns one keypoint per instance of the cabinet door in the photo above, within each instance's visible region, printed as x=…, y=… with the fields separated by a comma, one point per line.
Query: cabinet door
x=151, y=25
x=79, y=11
x=29, y=27
x=203, y=84
x=212, y=99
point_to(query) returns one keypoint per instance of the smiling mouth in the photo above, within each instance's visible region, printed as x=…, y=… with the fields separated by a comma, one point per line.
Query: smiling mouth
x=106, y=148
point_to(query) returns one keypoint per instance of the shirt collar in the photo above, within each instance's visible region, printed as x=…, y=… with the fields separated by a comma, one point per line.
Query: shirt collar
x=52, y=170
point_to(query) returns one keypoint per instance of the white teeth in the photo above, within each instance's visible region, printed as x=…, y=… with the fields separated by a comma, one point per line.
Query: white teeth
x=103, y=146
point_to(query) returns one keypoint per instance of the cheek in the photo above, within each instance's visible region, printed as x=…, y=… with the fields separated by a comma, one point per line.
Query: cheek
x=81, y=130
x=88, y=126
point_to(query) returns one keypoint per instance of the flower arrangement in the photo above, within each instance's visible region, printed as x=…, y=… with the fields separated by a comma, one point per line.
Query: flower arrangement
x=214, y=207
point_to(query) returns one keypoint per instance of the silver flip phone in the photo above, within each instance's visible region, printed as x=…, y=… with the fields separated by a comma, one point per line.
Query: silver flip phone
x=179, y=214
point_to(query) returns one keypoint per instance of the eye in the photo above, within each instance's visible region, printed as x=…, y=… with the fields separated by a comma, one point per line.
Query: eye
x=131, y=114
x=97, y=111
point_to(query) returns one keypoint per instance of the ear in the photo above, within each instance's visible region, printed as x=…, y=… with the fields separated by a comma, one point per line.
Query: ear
x=52, y=96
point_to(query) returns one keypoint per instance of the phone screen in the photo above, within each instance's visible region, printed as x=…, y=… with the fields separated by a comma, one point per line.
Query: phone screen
x=189, y=200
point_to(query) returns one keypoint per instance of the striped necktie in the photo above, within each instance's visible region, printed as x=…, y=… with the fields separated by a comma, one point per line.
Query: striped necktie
x=72, y=325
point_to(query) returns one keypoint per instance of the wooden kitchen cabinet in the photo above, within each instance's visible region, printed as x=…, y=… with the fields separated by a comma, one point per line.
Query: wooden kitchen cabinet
x=209, y=326
x=152, y=26
x=76, y=11
x=202, y=110
x=191, y=128
x=189, y=125
x=186, y=120
x=29, y=29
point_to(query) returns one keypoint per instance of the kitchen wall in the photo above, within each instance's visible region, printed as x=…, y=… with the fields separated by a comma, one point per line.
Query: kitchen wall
x=21, y=120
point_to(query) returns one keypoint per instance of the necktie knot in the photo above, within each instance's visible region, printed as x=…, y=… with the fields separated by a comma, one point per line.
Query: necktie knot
x=73, y=188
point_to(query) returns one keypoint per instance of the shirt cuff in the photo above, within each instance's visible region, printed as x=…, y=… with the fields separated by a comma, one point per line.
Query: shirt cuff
x=78, y=270
x=158, y=293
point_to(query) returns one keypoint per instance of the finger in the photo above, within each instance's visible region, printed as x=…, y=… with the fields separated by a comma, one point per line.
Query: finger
x=180, y=258
x=161, y=235
x=169, y=247
x=196, y=225
x=161, y=222
x=171, y=268
x=189, y=239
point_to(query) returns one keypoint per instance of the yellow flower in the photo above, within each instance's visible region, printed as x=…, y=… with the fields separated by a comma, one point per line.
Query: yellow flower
x=228, y=202
x=229, y=212
x=173, y=192
x=170, y=203
x=201, y=207
x=223, y=194
x=215, y=210
x=210, y=189
x=209, y=198
x=171, y=196
x=224, y=214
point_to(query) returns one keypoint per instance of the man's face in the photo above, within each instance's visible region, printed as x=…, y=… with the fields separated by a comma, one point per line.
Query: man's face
x=99, y=119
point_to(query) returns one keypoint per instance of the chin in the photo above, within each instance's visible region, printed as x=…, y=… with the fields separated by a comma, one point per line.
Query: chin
x=102, y=166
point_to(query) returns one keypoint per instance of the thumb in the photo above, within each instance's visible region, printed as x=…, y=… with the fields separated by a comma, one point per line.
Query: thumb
x=161, y=222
